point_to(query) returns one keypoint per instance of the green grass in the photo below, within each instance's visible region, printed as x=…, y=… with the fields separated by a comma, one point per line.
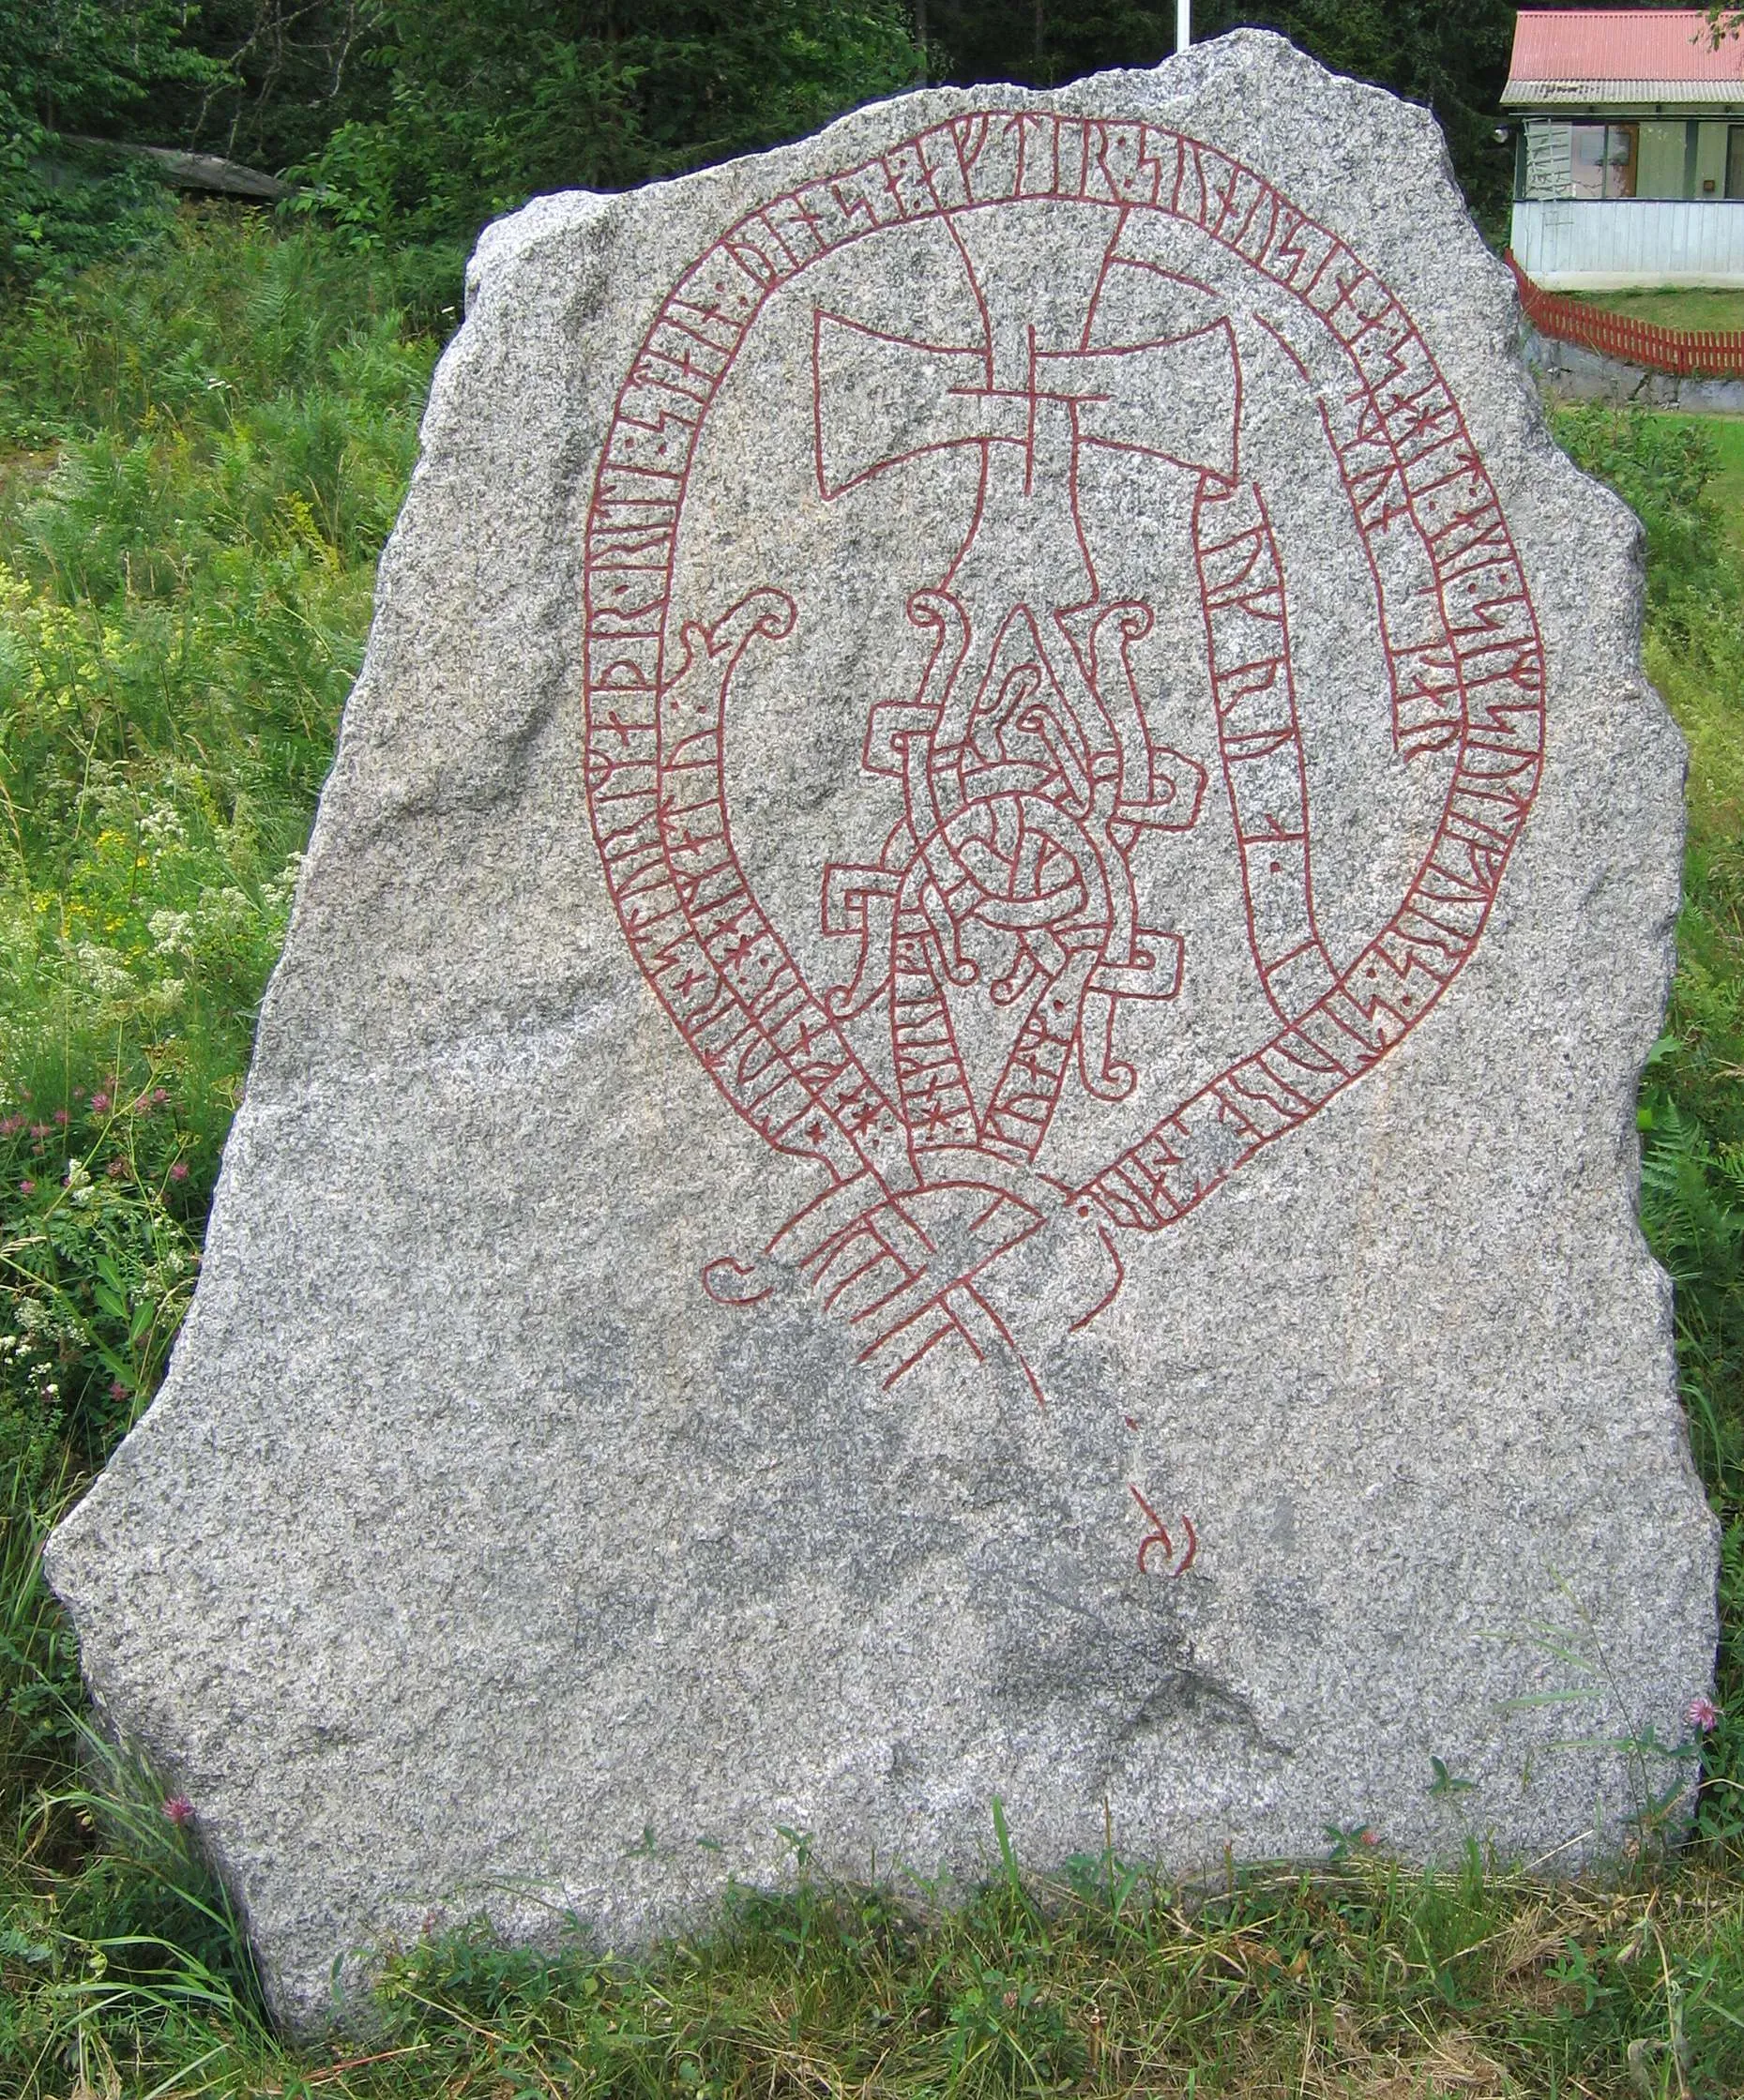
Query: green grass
x=200, y=452
x=1725, y=433
x=1668, y=308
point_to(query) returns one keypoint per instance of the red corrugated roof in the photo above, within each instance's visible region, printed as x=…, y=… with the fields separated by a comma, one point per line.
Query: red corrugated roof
x=1620, y=44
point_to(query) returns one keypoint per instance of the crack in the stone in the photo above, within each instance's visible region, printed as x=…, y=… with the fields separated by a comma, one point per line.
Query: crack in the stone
x=1193, y=1695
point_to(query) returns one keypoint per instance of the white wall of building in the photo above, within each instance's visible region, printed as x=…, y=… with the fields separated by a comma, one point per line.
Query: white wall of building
x=1571, y=246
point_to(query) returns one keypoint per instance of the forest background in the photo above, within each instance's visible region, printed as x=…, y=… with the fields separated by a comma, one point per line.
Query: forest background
x=416, y=120
x=208, y=413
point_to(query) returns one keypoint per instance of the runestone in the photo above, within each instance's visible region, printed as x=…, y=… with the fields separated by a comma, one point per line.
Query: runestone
x=950, y=1116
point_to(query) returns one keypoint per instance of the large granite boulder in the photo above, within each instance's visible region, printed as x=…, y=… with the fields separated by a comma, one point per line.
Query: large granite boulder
x=951, y=1110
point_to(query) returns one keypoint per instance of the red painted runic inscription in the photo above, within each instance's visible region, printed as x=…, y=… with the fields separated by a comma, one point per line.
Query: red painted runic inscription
x=1026, y=759
x=1157, y=1538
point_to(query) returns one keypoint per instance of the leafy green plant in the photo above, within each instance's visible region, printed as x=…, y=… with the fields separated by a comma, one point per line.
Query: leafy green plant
x=1446, y=1785
x=77, y=67
x=1007, y=2026
x=489, y=102
x=1347, y=1841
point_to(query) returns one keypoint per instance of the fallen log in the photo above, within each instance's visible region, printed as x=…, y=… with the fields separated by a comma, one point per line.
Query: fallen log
x=197, y=170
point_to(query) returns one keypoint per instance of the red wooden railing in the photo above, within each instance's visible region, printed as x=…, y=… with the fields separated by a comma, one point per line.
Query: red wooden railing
x=1711, y=352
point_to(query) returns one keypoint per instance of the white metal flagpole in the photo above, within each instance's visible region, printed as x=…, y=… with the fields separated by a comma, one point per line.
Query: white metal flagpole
x=1183, y=23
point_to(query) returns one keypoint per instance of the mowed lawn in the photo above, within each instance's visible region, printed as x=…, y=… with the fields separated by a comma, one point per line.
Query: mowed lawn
x=1668, y=308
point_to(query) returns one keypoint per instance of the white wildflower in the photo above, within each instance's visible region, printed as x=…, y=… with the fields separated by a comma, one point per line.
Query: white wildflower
x=102, y=970
x=161, y=825
x=172, y=932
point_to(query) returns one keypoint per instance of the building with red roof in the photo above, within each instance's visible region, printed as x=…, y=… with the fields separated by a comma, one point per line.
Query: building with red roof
x=1631, y=148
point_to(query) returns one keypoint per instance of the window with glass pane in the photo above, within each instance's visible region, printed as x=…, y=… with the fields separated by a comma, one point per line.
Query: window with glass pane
x=1659, y=167
x=1734, y=161
x=1620, y=157
x=1603, y=159
x=1587, y=145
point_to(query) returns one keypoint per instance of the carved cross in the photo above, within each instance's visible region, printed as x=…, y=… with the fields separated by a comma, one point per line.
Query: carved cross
x=1032, y=409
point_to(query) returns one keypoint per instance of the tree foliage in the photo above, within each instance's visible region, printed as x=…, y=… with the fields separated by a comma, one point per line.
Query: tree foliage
x=73, y=66
x=1451, y=54
x=77, y=65
x=280, y=77
x=488, y=102
x=417, y=119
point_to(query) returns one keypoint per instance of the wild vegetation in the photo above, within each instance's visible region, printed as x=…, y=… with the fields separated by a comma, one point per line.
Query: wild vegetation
x=206, y=422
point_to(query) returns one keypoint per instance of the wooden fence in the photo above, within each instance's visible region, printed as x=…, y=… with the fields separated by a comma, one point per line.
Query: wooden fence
x=1712, y=352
